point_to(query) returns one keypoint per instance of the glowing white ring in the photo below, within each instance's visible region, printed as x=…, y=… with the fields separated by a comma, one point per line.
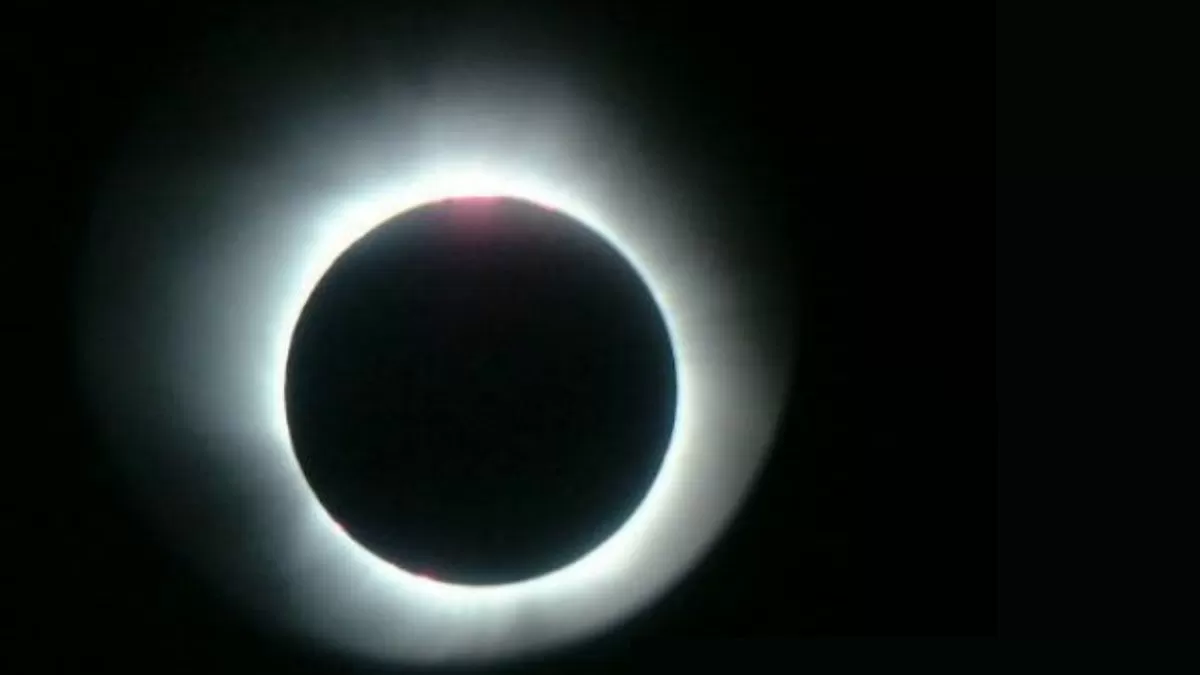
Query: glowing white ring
x=452, y=185
x=223, y=318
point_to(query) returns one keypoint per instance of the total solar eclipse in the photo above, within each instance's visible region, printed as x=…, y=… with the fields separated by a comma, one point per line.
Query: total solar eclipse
x=480, y=390
x=454, y=373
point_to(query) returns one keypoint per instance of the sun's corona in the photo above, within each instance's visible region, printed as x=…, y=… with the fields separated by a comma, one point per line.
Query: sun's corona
x=230, y=249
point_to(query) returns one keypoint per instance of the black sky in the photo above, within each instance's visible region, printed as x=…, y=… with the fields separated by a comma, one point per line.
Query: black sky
x=862, y=137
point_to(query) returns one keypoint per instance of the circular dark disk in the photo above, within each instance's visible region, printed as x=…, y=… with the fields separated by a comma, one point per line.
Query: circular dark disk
x=481, y=390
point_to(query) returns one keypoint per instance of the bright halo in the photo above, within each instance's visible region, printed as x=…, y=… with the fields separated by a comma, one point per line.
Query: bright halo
x=358, y=218
x=232, y=267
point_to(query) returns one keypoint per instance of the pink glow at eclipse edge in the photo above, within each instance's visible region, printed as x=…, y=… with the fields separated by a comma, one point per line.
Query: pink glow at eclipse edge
x=479, y=210
x=424, y=574
x=483, y=200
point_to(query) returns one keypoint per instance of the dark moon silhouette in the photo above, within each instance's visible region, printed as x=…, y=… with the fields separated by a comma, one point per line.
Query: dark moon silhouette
x=481, y=390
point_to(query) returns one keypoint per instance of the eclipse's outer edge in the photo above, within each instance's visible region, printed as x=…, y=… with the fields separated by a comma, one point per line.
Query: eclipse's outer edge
x=203, y=265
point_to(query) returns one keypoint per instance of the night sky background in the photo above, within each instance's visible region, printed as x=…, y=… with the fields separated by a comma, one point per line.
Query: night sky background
x=863, y=137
